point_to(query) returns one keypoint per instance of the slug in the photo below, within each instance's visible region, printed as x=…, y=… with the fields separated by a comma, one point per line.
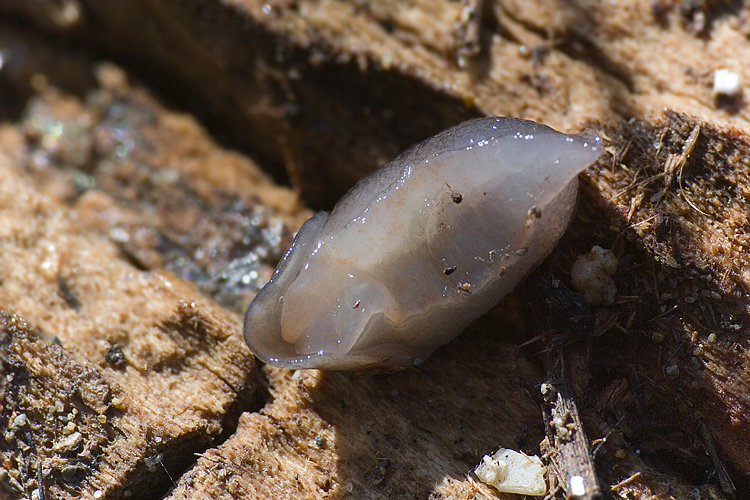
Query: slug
x=419, y=249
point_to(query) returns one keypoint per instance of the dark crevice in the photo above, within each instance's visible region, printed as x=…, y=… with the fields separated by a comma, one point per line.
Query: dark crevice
x=167, y=464
x=304, y=130
x=251, y=398
x=699, y=16
x=24, y=53
x=580, y=48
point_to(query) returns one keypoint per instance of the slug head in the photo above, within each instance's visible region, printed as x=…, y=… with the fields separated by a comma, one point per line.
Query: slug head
x=326, y=327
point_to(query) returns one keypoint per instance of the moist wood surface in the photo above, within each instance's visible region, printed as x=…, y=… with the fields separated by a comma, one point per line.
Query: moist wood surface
x=131, y=239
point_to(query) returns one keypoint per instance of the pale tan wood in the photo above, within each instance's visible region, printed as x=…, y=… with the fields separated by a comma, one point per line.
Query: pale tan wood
x=324, y=91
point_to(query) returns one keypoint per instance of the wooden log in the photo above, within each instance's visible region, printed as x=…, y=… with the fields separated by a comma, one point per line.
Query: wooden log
x=322, y=92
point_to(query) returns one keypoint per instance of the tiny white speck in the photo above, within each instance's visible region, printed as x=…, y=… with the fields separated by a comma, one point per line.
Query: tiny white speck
x=350, y=275
x=726, y=83
x=577, y=487
x=528, y=137
x=266, y=9
x=569, y=139
x=120, y=235
x=98, y=494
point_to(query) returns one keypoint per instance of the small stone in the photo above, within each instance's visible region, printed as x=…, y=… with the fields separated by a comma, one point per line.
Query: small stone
x=509, y=471
x=20, y=420
x=592, y=276
x=726, y=83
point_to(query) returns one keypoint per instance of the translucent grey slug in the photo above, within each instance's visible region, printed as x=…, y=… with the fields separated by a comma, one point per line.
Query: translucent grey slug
x=419, y=249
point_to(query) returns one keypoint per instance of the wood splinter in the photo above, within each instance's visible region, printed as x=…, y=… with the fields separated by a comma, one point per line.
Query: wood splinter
x=571, y=465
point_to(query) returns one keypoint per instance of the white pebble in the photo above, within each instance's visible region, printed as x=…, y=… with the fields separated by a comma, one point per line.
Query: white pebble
x=592, y=276
x=20, y=420
x=726, y=83
x=509, y=471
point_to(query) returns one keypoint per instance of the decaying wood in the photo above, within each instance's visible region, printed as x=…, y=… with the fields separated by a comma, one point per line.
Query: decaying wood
x=276, y=70
x=566, y=445
x=698, y=231
x=121, y=419
x=335, y=434
x=269, y=70
x=109, y=202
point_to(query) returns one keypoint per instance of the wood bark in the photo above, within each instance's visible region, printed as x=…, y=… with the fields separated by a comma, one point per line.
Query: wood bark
x=131, y=239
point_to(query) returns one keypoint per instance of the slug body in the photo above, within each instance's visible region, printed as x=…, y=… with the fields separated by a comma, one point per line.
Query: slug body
x=419, y=249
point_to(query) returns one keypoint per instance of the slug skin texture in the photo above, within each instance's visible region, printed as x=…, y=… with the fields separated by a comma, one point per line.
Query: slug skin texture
x=419, y=249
